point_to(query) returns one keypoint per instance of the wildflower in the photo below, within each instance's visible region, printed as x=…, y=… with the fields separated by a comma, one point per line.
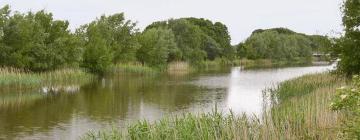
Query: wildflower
x=343, y=96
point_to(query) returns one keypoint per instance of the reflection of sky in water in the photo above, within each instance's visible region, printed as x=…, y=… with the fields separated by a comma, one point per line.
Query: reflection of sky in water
x=245, y=87
x=245, y=92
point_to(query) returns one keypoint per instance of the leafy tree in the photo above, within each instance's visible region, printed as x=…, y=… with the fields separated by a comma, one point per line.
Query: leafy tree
x=37, y=42
x=156, y=46
x=199, y=39
x=188, y=39
x=107, y=40
x=97, y=56
x=118, y=34
x=350, y=50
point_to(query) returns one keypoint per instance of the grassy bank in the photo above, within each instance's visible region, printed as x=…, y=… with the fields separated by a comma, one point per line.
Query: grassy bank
x=134, y=68
x=17, y=77
x=300, y=110
x=181, y=67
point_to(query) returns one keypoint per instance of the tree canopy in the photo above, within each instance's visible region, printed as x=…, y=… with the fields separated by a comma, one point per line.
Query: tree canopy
x=199, y=39
x=281, y=44
x=36, y=41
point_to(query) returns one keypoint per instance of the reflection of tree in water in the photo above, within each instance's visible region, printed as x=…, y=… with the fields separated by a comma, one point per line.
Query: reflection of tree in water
x=122, y=96
x=105, y=100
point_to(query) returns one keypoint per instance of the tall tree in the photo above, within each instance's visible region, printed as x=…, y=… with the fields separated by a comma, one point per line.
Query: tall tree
x=157, y=44
x=350, y=43
x=36, y=41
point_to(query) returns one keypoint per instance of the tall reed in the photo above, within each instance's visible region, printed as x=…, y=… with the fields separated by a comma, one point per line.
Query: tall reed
x=18, y=77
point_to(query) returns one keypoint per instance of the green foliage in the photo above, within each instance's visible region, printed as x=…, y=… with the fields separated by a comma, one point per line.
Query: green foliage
x=348, y=101
x=198, y=39
x=25, y=79
x=349, y=44
x=157, y=45
x=110, y=39
x=97, y=57
x=281, y=44
x=35, y=41
x=273, y=45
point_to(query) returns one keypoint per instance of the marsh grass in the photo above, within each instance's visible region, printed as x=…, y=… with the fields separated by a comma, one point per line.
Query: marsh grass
x=302, y=109
x=302, y=112
x=135, y=68
x=23, y=78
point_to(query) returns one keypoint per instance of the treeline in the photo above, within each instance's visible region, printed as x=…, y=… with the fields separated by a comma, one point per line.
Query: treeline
x=37, y=42
x=282, y=44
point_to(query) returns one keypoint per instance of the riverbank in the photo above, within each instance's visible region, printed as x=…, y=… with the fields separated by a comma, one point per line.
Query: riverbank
x=184, y=67
x=18, y=77
x=300, y=110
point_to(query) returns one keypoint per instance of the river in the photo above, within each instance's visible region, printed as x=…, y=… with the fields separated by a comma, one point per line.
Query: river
x=118, y=100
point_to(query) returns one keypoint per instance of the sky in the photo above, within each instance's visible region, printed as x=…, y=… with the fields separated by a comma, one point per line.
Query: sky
x=241, y=16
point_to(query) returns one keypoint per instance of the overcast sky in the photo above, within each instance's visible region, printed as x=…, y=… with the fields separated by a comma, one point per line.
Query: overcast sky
x=241, y=16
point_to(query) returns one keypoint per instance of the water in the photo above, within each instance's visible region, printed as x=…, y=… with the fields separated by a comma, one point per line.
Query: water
x=121, y=99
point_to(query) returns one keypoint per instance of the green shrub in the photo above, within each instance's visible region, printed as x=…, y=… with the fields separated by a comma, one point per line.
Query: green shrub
x=348, y=101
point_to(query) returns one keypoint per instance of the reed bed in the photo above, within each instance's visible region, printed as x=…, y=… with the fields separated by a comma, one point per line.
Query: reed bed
x=18, y=77
x=302, y=113
x=179, y=68
x=134, y=68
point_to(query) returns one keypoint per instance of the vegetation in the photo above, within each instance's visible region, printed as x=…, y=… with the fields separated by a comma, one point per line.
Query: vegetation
x=106, y=41
x=347, y=100
x=134, y=68
x=349, y=49
x=35, y=41
x=18, y=77
x=302, y=116
x=281, y=44
x=157, y=45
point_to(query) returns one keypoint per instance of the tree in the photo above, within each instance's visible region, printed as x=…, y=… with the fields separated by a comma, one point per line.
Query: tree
x=36, y=42
x=156, y=46
x=107, y=40
x=4, y=17
x=118, y=34
x=350, y=50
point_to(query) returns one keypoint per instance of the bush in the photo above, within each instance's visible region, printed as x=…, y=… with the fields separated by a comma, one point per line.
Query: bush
x=348, y=101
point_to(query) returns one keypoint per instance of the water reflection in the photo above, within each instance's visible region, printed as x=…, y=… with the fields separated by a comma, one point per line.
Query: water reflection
x=121, y=99
x=246, y=87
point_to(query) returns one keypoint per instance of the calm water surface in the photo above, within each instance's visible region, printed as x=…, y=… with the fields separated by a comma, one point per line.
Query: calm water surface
x=121, y=99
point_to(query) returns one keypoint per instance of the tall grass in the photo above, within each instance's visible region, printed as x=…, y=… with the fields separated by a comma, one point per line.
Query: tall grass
x=179, y=68
x=134, y=68
x=17, y=77
x=303, y=110
x=302, y=113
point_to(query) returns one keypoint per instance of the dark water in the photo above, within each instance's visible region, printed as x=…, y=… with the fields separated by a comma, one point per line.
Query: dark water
x=121, y=99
